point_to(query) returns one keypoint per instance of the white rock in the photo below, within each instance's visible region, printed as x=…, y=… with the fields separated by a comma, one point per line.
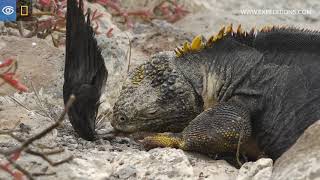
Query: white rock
x=302, y=160
x=207, y=168
x=158, y=163
x=259, y=170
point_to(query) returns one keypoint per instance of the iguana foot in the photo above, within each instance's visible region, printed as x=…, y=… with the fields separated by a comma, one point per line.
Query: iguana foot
x=173, y=140
x=216, y=130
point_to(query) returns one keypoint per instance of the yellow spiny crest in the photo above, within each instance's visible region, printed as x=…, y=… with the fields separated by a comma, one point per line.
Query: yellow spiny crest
x=267, y=28
x=221, y=33
x=196, y=44
x=186, y=47
x=229, y=29
x=178, y=54
x=239, y=30
x=199, y=43
x=211, y=40
x=178, y=51
x=252, y=31
x=264, y=29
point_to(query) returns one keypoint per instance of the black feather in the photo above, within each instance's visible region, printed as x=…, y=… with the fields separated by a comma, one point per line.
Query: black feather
x=85, y=72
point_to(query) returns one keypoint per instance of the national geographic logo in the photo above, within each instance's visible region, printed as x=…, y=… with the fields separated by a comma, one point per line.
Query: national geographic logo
x=15, y=10
x=24, y=10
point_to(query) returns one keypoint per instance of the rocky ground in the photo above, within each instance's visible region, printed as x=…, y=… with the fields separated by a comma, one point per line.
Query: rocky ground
x=41, y=69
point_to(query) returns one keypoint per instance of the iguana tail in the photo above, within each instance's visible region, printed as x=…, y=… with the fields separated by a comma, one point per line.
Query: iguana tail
x=85, y=72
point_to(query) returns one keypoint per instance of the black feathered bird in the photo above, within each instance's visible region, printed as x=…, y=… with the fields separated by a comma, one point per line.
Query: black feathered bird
x=85, y=73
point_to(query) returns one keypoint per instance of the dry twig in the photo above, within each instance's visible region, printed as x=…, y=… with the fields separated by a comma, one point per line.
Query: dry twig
x=13, y=154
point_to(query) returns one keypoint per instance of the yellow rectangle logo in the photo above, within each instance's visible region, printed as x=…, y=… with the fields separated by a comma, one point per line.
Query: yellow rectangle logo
x=24, y=11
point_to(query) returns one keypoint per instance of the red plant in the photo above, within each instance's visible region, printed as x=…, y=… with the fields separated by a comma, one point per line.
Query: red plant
x=9, y=77
x=45, y=3
x=17, y=175
x=169, y=10
x=57, y=21
x=6, y=63
x=109, y=33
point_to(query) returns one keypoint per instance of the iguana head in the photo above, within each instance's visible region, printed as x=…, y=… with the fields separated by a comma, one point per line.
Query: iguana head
x=155, y=97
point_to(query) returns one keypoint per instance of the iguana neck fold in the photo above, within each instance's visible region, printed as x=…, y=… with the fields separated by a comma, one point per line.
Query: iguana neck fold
x=216, y=72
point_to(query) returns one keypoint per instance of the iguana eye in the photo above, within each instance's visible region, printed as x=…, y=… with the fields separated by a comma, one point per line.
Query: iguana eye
x=122, y=118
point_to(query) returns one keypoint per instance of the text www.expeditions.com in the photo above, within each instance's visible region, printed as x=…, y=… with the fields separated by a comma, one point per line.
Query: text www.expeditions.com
x=275, y=11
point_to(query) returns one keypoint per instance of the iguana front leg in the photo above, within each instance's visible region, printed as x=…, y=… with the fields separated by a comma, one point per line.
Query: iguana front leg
x=217, y=130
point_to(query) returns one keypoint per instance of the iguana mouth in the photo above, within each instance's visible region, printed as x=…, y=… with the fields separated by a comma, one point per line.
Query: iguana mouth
x=126, y=129
x=148, y=124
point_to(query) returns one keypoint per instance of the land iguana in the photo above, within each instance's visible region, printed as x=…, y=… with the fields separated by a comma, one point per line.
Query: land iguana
x=85, y=73
x=258, y=90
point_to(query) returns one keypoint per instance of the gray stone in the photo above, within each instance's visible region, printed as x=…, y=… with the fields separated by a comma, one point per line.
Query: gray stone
x=156, y=164
x=259, y=170
x=302, y=160
x=207, y=168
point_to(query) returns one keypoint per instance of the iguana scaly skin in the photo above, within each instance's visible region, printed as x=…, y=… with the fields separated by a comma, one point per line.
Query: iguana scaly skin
x=260, y=88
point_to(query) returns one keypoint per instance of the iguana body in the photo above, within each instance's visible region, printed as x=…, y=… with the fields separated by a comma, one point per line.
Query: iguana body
x=261, y=87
